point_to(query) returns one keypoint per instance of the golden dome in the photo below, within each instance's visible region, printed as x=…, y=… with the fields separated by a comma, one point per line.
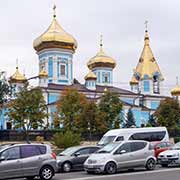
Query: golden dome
x=55, y=37
x=90, y=76
x=17, y=77
x=133, y=81
x=176, y=90
x=147, y=64
x=43, y=74
x=101, y=60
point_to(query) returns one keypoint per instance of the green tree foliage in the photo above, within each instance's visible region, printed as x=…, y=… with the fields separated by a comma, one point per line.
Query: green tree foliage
x=130, y=122
x=69, y=109
x=168, y=114
x=67, y=139
x=5, y=89
x=152, y=121
x=28, y=110
x=110, y=106
x=92, y=120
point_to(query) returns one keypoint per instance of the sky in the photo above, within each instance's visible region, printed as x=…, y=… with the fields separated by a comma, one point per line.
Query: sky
x=121, y=22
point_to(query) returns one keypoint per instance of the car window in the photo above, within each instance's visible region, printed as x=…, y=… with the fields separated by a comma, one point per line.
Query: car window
x=29, y=151
x=93, y=149
x=120, y=138
x=125, y=147
x=161, y=145
x=42, y=149
x=135, y=146
x=83, y=151
x=11, y=153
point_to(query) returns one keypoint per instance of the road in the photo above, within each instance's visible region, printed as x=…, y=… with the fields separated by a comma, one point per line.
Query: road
x=140, y=174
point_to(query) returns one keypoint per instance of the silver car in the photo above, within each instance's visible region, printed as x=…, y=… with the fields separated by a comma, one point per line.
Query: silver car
x=27, y=160
x=125, y=154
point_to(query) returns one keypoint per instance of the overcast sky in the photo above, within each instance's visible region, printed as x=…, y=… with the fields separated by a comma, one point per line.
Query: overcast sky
x=120, y=21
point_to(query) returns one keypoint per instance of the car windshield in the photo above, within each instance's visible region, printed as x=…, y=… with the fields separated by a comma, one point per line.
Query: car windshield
x=108, y=148
x=68, y=151
x=106, y=140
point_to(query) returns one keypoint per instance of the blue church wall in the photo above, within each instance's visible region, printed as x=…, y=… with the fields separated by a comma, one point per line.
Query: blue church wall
x=52, y=111
x=146, y=86
x=50, y=67
x=140, y=117
x=127, y=100
x=53, y=98
x=154, y=104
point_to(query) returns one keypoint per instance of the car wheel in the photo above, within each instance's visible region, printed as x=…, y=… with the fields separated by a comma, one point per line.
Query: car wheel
x=151, y=164
x=46, y=173
x=164, y=165
x=66, y=167
x=110, y=168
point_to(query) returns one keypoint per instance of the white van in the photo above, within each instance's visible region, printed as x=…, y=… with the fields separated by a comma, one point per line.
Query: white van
x=147, y=133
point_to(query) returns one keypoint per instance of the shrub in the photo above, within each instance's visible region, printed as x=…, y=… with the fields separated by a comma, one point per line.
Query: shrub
x=177, y=139
x=39, y=139
x=67, y=139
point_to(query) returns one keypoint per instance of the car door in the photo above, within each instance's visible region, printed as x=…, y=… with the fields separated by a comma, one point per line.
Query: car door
x=11, y=166
x=31, y=159
x=80, y=157
x=138, y=153
x=122, y=155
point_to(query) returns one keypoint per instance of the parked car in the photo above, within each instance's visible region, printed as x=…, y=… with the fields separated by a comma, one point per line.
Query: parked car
x=74, y=157
x=125, y=154
x=171, y=156
x=161, y=147
x=27, y=160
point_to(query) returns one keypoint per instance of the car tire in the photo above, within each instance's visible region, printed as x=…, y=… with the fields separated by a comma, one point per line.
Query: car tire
x=150, y=164
x=46, y=173
x=164, y=165
x=110, y=168
x=66, y=167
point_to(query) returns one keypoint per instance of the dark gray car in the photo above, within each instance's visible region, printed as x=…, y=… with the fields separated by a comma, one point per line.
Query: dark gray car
x=27, y=160
x=74, y=157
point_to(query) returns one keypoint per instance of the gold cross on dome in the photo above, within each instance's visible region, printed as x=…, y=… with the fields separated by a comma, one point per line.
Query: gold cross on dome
x=146, y=24
x=54, y=10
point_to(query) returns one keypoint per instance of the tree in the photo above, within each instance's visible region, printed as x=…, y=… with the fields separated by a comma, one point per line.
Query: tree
x=130, y=122
x=91, y=120
x=168, y=114
x=69, y=109
x=110, y=106
x=28, y=110
x=152, y=121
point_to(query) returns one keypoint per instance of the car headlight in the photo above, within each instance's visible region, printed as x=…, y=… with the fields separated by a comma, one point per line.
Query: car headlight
x=92, y=161
x=174, y=155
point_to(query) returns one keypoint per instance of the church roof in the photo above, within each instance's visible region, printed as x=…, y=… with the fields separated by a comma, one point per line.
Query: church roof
x=101, y=59
x=90, y=76
x=176, y=90
x=147, y=64
x=55, y=37
x=17, y=77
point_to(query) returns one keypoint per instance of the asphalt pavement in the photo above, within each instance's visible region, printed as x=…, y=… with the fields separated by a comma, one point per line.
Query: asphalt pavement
x=171, y=173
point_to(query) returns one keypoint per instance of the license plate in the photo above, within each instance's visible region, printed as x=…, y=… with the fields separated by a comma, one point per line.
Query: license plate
x=164, y=159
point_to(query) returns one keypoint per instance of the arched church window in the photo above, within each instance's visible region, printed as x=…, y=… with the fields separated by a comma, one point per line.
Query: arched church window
x=156, y=89
x=63, y=70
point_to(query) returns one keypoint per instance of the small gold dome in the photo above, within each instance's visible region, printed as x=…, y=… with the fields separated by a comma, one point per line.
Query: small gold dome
x=55, y=37
x=101, y=60
x=133, y=81
x=43, y=74
x=17, y=77
x=176, y=91
x=90, y=76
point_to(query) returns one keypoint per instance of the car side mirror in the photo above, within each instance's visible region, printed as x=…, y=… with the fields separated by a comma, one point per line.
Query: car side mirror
x=122, y=151
x=77, y=154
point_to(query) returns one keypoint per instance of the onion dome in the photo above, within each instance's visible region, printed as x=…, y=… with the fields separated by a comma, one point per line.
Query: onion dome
x=43, y=74
x=176, y=90
x=101, y=59
x=55, y=37
x=17, y=77
x=133, y=81
x=90, y=76
x=147, y=64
